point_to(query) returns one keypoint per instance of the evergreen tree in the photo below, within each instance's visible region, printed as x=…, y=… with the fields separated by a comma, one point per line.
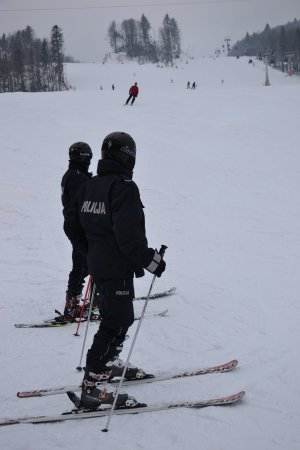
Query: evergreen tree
x=30, y=58
x=5, y=66
x=266, y=41
x=17, y=63
x=282, y=43
x=56, y=45
x=297, y=44
x=45, y=62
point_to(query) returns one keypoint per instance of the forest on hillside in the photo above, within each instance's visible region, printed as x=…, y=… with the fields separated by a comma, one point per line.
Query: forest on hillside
x=29, y=64
x=281, y=45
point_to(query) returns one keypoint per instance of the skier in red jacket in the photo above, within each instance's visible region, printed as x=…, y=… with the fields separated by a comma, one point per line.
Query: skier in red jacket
x=133, y=93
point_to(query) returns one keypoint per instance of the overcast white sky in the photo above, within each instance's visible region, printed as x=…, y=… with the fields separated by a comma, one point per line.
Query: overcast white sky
x=203, y=24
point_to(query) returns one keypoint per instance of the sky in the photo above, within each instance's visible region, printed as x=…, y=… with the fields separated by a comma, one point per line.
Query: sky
x=204, y=24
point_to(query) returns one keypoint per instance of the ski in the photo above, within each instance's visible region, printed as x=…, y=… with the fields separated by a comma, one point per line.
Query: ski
x=52, y=323
x=157, y=295
x=59, y=321
x=159, y=314
x=230, y=365
x=139, y=408
x=56, y=322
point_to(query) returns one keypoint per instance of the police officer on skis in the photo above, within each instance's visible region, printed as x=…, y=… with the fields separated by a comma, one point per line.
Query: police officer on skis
x=107, y=219
x=80, y=155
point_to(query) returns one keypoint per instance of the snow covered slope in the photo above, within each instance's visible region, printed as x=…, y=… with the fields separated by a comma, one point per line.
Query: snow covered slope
x=218, y=171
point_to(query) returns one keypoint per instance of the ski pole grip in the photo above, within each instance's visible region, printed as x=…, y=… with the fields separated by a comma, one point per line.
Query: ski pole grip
x=162, y=250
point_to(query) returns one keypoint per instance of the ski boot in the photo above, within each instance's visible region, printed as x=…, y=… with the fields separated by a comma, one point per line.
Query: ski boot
x=96, y=392
x=73, y=308
x=116, y=366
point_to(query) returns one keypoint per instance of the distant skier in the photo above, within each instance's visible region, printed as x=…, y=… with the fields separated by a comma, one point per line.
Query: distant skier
x=80, y=155
x=133, y=93
x=194, y=85
x=113, y=87
x=188, y=85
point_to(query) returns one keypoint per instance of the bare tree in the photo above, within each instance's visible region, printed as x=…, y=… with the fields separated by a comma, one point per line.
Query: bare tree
x=169, y=40
x=133, y=37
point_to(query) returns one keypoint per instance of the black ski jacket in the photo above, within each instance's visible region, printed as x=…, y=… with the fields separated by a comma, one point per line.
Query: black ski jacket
x=74, y=178
x=108, y=214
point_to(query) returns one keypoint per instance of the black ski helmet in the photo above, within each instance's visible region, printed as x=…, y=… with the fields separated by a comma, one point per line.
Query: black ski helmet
x=121, y=147
x=80, y=152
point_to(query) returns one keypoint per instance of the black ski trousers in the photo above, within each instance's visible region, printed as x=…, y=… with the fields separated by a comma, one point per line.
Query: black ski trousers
x=133, y=97
x=78, y=273
x=117, y=316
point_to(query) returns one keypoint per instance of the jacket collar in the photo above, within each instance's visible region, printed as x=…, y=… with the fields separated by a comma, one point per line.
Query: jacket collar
x=78, y=166
x=110, y=166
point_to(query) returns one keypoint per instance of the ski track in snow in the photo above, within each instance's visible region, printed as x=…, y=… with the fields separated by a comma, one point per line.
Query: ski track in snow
x=218, y=172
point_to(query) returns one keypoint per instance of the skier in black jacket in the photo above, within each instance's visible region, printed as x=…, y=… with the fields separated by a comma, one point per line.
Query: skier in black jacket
x=108, y=219
x=80, y=155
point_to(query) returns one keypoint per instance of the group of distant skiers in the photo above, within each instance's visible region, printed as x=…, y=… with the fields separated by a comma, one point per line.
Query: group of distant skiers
x=104, y=221
x=189, y=86
x=133, y=93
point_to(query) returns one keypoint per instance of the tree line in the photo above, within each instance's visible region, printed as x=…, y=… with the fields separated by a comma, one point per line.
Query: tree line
x=281, y=44
x=29, y=64
x=134, y=38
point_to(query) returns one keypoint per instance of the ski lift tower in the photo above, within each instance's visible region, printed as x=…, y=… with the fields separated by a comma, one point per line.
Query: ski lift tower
x=290, y=57
x=227, y=40
x=267, y=81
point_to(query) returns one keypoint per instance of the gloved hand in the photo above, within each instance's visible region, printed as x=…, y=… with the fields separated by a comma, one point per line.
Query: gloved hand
x=157, y=265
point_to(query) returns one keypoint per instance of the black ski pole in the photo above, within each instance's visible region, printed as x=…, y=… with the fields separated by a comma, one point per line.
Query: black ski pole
x=161, y=252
